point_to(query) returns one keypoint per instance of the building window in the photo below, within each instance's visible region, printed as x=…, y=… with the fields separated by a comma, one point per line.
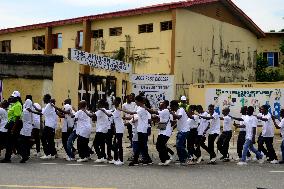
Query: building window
x=79, y=40
x=115, y=31
x=145, y=28
x=98, y=33
x=57, y=41
x=5, y=46
x=272, y=58
x=167, y=25
x=39, y=43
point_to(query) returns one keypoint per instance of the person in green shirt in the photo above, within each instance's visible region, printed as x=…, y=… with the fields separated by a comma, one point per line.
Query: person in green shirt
x=14, y=124
x=183, y=103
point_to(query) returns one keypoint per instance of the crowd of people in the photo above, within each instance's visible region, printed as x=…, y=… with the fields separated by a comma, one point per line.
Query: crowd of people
x=23, y=125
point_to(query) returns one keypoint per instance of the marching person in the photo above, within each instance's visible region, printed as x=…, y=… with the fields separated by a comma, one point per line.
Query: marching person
x=3, y=121
x=281, y=127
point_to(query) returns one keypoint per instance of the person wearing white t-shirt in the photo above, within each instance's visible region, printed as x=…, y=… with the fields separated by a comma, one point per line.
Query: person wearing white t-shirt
x=3, y=121
x=164, y=118
x=268, y=133
x=36, y=129
x=223, y=142
x=193, y=121
x=110, y=134
x=281, y=127
x=83, y=131
x=183, y=129
x=129, y=106
x=250, y=123
x=202, y=128
x=260, y=139
x=214, y=131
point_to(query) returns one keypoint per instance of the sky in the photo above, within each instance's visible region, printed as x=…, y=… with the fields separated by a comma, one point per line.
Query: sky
x=267, y=14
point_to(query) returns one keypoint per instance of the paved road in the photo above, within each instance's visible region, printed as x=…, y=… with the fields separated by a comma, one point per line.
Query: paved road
x=61, y=174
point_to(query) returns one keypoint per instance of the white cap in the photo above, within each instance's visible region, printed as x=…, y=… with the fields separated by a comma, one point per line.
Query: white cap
x=16, y=94
x=183, y=98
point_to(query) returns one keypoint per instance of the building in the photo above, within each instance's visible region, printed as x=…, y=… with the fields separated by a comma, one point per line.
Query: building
x=195, y=41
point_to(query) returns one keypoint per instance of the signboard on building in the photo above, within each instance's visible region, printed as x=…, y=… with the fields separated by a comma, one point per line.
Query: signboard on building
x=235, y=98
x=156, y=87
x=97, y=61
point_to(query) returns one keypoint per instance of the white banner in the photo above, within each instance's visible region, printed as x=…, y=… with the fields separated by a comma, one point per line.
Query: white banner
x=98, y=61
x=156, y=87
x=235, y=98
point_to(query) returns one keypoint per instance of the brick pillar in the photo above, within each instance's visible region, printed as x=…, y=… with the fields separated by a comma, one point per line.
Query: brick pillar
x=86, y=43
x=173, y=42
x=48, y=40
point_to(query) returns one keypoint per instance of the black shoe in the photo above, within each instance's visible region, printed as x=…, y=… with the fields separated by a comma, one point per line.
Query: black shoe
x=5, y=161
x=223, y=157
x=147, y=162
x=23, y=161
x=226, y=160
x=281, y=162
x=133, y=163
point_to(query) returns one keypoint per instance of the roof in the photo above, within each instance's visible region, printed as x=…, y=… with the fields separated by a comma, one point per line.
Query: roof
x=143, y=10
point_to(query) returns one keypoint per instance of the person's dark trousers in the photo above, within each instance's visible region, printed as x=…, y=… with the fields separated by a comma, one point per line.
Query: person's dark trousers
x=129, y=129
x=70, y=149
x=161, y=147
x=240, y=144
x=47, y=140
x=201, y=143
x=191, y=142
x=82, y=146
x=260, y=145
x=223, y=143
x=142, y=149
x=170, y=151
x=36, y=139
x=99, y=144
x=65, y=136
x=181, y=146
x=118, y=149
x=3, y=139
x=270, y=149
x=11, y=143
x=109, y=144
x=211, y=142
x=24, y=146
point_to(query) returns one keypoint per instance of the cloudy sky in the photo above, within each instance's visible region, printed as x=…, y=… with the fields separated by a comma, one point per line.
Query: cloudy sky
x=267, y=14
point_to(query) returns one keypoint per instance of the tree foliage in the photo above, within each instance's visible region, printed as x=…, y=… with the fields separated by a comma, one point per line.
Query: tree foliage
x=282, y=46
x=120, y=54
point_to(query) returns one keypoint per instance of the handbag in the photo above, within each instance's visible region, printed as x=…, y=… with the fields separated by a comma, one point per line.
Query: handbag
x=163, y=125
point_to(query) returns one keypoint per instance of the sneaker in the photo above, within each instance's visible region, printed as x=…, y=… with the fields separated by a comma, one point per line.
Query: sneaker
x=223, y=157
x=133, y=163
x=182, y=164
x=199, y=160
x=249, y=159
x=190, y=162
x=242, y=163
x=237, y=159
x=98, y=161
x=261, y=160
x=112, y=162
x=274, y=161
x=161, y=164
x=82, y=160
x=172, y=157
x=45, y=157
x=70, y=159
x=53, y=157
x=167, y=162
x=226, y=159
x=212, y=161
x=254, y=159
x=118, y=163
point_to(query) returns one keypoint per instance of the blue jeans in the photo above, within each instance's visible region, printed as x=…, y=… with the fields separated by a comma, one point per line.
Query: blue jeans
x=249, y=146
x=134, y=146
x=282, y=149
x=181, y=146
x=72, y=137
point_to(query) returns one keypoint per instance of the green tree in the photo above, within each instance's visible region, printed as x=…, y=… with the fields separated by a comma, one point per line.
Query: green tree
x=282, y=46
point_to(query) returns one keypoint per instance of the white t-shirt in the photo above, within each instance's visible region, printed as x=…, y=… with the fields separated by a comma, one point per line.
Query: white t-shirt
x=250, y=122
x=50, y=116
x=110, y=119
x=3, y=120
x=102, y=122
x=68, y=121
x=242, y=123
x=83, y=124
x=165, y=117
x=281, y=125
x=193, y=123
x=131, y=107
x=142, y=120
x=149, y=118
x=214, y=124
x=203, y=124
x=227, y=123
x=182, y=125
x=118, y=121
x=134, y=123
x=267, y=126
x=27, y=118
x=36, y=117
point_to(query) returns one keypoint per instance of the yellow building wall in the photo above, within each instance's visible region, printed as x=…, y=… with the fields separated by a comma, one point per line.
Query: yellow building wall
x=21, y=42
x=208, y=50
x=65, y=82
x=271, y=43
x=152, y=50
x=35, y=87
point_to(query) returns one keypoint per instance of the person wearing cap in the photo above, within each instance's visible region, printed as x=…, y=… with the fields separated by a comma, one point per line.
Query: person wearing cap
x=183, y=103
x=14, y=124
